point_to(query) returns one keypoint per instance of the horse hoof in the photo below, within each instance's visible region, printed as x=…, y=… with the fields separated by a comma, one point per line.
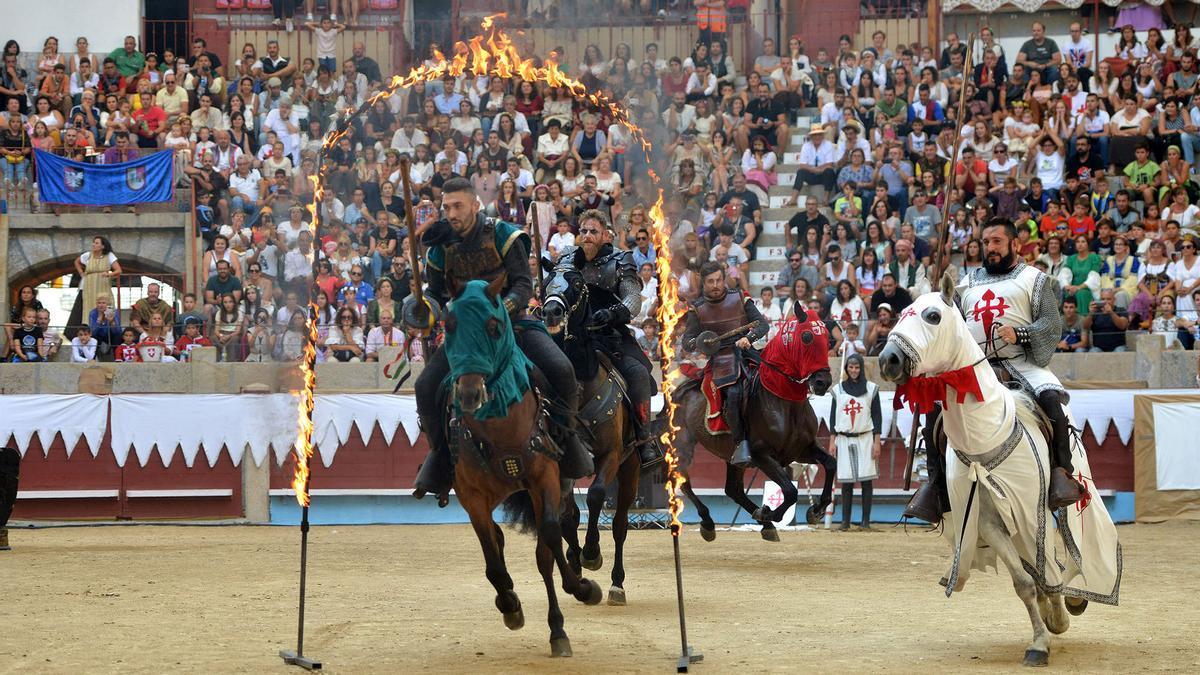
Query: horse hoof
x=515, y=620
x=1036, y=658
x=1076, y=606
x=616, y=596
x=708, y=533
x=813, y=515
x=594, y=594
x=770, y=534
x=592, y=563
x=560, y=648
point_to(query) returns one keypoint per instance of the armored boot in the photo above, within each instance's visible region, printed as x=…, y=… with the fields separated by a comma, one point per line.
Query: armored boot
x=932, y=499
x=1064, y=489
x=437, y=472
x=648, y=451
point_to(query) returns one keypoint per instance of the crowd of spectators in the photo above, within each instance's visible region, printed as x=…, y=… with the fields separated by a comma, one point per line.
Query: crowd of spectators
x=1091, y=157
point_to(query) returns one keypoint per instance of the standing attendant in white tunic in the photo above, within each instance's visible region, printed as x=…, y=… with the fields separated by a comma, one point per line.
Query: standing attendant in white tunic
x=855, y=421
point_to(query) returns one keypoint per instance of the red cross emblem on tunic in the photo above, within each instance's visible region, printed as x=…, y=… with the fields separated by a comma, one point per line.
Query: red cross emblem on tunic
x=989, y=308
x=852, y=408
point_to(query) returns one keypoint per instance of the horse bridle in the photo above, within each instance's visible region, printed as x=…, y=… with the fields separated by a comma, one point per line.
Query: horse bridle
x=579, y=302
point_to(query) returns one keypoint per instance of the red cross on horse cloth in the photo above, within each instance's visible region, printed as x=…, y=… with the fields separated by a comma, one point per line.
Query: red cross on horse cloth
x=852, y=408
x=989, y=308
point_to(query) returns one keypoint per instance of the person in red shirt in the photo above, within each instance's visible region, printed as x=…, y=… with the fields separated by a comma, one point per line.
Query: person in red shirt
x=1081, y=222
x=149, y=123
x=1051, y=220
x=190, y=340
x=127, y=351
x=970, y=171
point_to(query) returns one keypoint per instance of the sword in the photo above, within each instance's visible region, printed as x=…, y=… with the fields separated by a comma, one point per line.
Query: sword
x=708, y=341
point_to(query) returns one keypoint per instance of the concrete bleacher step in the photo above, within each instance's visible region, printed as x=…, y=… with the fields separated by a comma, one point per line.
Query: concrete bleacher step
x=780, y=213
x=760, y=279
x=791, y=157
x=772, y=227
x=786, y=178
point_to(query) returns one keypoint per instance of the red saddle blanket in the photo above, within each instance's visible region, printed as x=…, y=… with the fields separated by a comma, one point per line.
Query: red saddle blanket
x=713, y=421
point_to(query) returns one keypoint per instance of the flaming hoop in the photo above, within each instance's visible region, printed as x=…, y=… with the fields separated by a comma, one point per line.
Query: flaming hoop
x=493, y=53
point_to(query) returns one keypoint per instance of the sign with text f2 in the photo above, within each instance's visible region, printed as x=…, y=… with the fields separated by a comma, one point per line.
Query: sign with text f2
x=141, y=181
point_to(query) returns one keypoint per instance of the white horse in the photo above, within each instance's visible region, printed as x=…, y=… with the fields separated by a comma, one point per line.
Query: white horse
x=998, y=474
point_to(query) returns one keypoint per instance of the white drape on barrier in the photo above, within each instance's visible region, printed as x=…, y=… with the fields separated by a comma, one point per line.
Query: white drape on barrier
x=72, y=415
x=258, y=423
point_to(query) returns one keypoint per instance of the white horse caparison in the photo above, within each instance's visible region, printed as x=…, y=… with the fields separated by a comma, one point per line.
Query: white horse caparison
x=997, y=455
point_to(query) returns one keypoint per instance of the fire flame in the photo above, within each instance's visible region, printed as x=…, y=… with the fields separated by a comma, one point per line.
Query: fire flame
x=303, y=447
x=492, y=52
x=670, y=313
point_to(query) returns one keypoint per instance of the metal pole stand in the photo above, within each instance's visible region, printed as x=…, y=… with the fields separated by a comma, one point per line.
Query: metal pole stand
x=687, y=655
x=297, y=658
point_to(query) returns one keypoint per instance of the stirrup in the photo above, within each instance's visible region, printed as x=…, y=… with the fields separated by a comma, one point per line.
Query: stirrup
x=925, y=504
x=649, y=453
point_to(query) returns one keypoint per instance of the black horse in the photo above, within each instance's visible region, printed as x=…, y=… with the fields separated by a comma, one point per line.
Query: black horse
x=605, y=419
x=780, y=432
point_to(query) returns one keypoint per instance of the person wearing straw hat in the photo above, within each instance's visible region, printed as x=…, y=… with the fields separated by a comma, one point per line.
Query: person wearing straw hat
x=855, y=423
x=817, y=159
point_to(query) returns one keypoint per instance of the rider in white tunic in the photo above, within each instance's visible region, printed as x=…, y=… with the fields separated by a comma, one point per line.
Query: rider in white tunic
x=1012, y=311
x=855, y=420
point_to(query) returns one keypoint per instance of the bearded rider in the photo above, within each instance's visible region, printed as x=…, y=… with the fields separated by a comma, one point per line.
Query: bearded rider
x=720, y=311
x=1012, y=311
x=467, y=245
x=616, y=293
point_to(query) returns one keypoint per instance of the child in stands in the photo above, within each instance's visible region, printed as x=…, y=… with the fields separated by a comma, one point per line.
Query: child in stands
x=127, y=351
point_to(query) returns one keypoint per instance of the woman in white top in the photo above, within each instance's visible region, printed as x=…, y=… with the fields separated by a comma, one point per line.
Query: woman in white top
x=607, y=181
x=345, y=339
x=593, y=63
x=1046, y=161
x=758, y=164
x=571, y=177
x=1180, y=210
x=1129, y=47
x=982, y=140
x=1185, y=273
x=221, y=251
x=82, y=52
x=848, y=306
x=465, y=122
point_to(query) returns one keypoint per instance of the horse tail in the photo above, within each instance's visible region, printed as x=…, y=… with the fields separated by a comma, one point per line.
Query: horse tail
x=519, y=512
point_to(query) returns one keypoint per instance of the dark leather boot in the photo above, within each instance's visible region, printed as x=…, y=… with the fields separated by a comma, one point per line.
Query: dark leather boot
x=436, y=473
x=648, y=451
x=741, y=455
x=926, y=504
x=4, y=539
x=1064, y=490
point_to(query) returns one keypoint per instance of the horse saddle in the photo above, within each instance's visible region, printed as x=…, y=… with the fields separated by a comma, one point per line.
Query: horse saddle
x=602, y=406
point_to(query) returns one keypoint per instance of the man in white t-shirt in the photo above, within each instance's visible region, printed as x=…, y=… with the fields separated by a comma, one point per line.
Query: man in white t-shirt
x=286, y=124
x=734, y=256
x=1078, y=51
x=244, y=186
x=408, y=137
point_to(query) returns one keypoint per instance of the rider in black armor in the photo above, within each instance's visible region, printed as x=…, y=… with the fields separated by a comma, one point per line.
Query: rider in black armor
x=615, y=296
x=467, y=245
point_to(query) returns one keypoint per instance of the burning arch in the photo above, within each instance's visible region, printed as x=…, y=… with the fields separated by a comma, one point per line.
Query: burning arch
x=493, y=52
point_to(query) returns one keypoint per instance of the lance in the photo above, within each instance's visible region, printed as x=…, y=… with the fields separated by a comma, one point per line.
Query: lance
x=537, y=254
x=417, y=298
x=943, y=227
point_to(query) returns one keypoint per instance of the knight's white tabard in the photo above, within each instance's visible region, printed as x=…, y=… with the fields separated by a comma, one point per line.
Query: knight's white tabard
x=855, y=434
x=988, y=302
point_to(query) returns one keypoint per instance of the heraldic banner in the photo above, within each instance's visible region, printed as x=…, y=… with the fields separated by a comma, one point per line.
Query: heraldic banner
x=141, y=181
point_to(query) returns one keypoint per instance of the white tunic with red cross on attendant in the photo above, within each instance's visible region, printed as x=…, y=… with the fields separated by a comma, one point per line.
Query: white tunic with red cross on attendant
x=1026, y=300
x=855, y=429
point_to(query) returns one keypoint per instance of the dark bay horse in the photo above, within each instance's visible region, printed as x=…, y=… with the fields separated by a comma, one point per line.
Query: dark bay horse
x=504, y=453
x=604, y=417
x=780, y=432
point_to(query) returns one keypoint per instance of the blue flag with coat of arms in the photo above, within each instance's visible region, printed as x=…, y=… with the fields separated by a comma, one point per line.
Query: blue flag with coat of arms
x=141, y=181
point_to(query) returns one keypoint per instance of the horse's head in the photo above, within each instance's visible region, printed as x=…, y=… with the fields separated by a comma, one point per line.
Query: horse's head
x=564, y=310
x=814, y=353
x=930, y=337
x=479, y=340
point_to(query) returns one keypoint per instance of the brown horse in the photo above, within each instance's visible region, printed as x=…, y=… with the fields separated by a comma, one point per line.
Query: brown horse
x=780, y=432
x=504, y=453
x=604, y=418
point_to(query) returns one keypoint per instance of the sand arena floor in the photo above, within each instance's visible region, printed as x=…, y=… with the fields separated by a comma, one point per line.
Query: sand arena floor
x=402, y=599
